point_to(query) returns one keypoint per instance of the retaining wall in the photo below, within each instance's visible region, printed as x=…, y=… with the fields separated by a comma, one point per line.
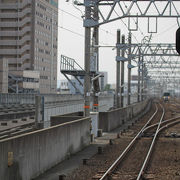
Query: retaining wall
x=55, y=120
x=35, y=152
x=112, y=119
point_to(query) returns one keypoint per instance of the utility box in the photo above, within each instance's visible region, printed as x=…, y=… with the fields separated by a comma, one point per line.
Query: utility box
x=94, y=122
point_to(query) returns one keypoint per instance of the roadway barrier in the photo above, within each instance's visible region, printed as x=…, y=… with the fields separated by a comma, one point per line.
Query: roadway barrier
x=26, y=156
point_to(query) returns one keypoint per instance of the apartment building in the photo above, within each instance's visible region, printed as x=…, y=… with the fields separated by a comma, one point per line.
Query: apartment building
x=3, y=75
x=28, y=40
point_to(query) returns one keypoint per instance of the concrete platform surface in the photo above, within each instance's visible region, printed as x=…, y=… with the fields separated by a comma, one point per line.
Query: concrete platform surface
x=67, y=166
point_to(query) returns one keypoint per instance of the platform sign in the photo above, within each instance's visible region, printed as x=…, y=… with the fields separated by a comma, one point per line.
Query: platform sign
x=178, y=40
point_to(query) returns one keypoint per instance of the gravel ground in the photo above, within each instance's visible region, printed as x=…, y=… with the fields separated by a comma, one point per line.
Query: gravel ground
x=165, y=164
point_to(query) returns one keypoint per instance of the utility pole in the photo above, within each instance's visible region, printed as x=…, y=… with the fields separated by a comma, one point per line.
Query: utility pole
x=139, y=76
x=145, y=82
x=118, y=72
x=96, y=53
x=122, y=74
x=87, y=80
x=129, y=71
x=142, y=79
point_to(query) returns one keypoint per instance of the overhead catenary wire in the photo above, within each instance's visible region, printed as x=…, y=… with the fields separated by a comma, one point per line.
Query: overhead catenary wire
x=71, y=31
x=125, y=24
x=80, y=19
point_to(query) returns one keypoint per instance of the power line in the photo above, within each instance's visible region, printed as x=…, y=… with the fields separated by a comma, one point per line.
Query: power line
x=71, y=31
x=124, y=23
x=70, y=14
x=81, y=35
x=161, y=33
x=80, y=19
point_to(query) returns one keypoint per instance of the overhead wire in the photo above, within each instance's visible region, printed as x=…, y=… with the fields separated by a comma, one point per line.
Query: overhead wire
x=81, y=35
x=62, y=27
x=161, y=33
x=80, y=19
x=124, y=23
x=71, y=31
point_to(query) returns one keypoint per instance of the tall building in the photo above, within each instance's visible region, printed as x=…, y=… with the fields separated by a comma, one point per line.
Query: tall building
x=3, y=75
x=28, y=40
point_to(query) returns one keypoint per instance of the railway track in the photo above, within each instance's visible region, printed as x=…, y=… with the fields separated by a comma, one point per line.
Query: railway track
x=16, y=131
x=9, y=112
x=10, y=128
x=126, y=165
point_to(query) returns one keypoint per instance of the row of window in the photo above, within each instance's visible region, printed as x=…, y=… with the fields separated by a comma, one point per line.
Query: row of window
x=43, y=25
x=39, y=68
x=44, y=77
x=40, y=50
x=46, y=18
x=41, y=6
x=46, y=8
x=37, y=58
x=43, y=34
x=42, y=42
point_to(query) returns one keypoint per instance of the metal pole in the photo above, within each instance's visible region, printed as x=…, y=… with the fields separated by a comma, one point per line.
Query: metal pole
x=87, y=83
x=142, y=80
x=118, y=72
x=145, y=83
x=139, y=67
x=122, y=74
x=96, y=52
x=129, y=71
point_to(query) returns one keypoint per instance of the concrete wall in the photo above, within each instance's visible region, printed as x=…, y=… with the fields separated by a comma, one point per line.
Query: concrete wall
x=112, y=119
x=56, y=106
x=55, y=120
x=35, y=152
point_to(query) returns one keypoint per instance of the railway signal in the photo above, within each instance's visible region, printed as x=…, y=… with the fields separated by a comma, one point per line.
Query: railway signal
x=178, y=40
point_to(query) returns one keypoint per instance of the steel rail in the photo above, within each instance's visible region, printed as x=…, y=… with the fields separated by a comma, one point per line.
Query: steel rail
x=152, y=145
x=159, y=130
x=168, y=125
x=127, y=148
x=165, y=121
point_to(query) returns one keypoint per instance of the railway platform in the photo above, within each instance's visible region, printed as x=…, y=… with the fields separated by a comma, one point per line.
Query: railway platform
x=68, y=166
x=99, y=157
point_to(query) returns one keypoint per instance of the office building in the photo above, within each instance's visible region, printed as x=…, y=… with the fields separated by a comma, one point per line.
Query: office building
x=3, y=75
x=28, y=40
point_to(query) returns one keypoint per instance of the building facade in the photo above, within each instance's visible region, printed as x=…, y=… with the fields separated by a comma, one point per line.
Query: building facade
x=3, y=75
x=28, y=39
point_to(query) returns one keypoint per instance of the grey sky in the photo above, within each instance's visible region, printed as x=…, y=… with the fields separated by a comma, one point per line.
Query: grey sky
x=71, y=37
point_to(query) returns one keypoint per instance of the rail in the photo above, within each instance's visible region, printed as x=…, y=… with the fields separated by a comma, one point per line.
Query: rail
x=166, y=123
x=127, y=148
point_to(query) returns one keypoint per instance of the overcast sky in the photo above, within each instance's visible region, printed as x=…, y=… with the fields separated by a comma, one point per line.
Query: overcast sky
x=71, y=37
